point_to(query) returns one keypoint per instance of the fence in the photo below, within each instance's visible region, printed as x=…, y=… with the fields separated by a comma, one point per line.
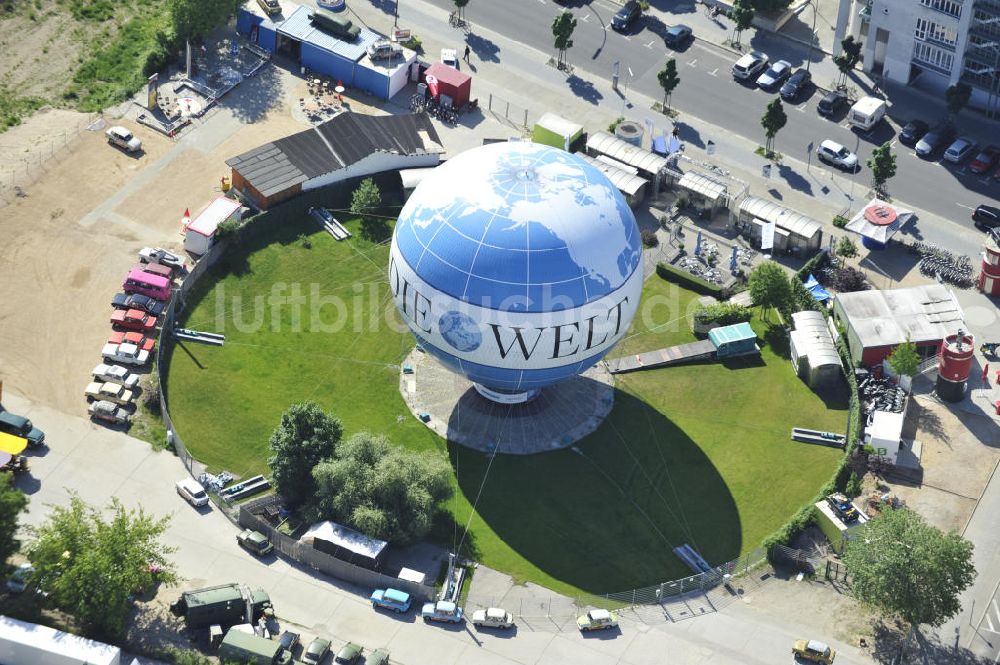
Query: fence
x=837, y=572
x=27, y=167
x=504, y=110
x=793, y=558
x=325, y=563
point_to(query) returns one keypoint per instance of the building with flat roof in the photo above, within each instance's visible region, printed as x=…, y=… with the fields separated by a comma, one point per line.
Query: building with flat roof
x=878, y=321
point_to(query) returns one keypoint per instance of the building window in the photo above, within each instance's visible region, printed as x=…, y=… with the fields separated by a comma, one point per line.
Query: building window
x=949, y=7
x=935, y=32
x=933, y=56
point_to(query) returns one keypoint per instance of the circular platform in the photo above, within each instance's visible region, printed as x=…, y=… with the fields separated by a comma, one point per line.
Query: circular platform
x=557, y=418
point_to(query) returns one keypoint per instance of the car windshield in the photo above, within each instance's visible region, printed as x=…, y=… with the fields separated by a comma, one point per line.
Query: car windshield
x=844, y=152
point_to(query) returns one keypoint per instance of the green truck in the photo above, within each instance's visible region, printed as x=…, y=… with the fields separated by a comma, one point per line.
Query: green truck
x=226, y=605
x=340, y=27
x=244, y=648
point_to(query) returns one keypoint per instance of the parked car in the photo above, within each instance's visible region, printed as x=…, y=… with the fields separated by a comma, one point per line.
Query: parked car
x=492, y=617
x=161, y=256
x=122, y=138
x=987, y=158
x=935, y=140
x=795, y=85
x=129, y=354
x=109, y=391
x=254, y=542
x=192, y=492
x=109, y=412
x=348, y=654
x=391, y=599
x=11, y=423
x=986, y=217
x=115, y=373
x=138, y=301
x=597, y=620
x=378, y=657
x=832, y=102
x=832, y=152
x=288, y=640
x=316, y=651
x=677, y=35
x=912, y=132
x=166, y=272
x=449, y=56
x=137, y=338
x=843, y=507
x=776, y=74
x=814, y=650
x=18, y=580
x=750, y=65
x=443, y=611
x=626, y=16
x=960, y=148
x=132, y=319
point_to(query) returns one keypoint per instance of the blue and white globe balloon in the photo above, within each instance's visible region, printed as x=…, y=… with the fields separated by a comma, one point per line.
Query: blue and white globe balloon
x=517, y=265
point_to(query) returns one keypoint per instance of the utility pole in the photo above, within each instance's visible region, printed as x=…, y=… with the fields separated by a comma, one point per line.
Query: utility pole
x=812, y=35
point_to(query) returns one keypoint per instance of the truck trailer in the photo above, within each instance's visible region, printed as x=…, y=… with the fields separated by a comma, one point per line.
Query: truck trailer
x=226, y=605
x=23, y=643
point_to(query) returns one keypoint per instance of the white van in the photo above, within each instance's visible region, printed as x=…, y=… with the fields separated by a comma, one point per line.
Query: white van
x=192, y=492
x=866, y=112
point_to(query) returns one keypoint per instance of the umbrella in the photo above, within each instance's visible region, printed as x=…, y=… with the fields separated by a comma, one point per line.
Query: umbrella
x=5, y=458
x=14, y=445
x=732, y=261
x=697, y=245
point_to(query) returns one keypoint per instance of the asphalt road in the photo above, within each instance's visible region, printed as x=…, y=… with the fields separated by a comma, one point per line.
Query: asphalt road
x=708, y=92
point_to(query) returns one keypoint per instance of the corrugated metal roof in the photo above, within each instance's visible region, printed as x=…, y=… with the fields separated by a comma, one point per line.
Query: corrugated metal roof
x=299, y=26
x=626, y=183
x=925, y=313
x=612, y=146
x=331, y=146
x=701, y=184
x=811, y=338
x=786, y=218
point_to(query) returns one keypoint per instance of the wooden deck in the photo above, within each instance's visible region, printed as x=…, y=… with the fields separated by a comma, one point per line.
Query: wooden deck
x=662, y=357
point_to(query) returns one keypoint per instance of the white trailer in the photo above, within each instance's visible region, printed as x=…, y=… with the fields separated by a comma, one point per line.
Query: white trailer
x=866, y=113
x=23, y=643
x=200, y=233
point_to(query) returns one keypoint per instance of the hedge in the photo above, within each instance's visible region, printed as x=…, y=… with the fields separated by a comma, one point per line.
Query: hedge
x=687, y=280
x=812, y=265
x=723, y=313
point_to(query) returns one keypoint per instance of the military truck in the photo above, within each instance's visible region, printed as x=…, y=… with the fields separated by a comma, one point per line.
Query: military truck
x=242, y=647
x=226, y=605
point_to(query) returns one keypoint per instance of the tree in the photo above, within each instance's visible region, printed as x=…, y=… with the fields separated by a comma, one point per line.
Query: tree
x=957, y=97
x=769, y=286
x=365, y=202
x=904, y=360
x=742, y=15
x=668, y=79
x=849, y=279
x=773, y=120
x=382, y=490
x=849, y=57
x=193, y=19
x=904, y=567
x=562, y=29
x=460, y=8
x=305, y=437
x=12, y=503
x=883, y=166
x=92, y=566
x=771, y=5
x=846, y=248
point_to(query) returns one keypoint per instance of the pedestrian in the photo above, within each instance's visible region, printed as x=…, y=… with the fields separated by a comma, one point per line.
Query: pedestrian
x=467, y=52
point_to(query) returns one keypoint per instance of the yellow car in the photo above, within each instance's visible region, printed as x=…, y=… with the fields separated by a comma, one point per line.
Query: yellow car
x=814, y=651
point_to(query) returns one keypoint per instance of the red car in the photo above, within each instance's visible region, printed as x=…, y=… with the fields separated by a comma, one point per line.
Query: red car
x=132, y=319
x=144, y=343
x=985, y=160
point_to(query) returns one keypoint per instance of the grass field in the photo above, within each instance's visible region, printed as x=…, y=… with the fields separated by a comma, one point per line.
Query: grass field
x=697, y=454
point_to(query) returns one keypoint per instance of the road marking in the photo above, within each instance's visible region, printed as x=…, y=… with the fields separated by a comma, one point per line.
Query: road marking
x=693, y=62
x=962, y=205
x=586, y=17
x=801, y=109
x=893, y=144
x=650, y=44
x=989, y=622
x=714, y=72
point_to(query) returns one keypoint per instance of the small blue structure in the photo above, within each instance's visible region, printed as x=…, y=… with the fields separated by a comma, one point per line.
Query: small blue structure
x=734, y=340
x=697, y=245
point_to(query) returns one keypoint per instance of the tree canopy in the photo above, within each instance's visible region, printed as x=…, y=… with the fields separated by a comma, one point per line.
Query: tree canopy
x=773, y=120
x=305, y=437
x=669, y=80
x=12, y=503
x=905, y=360
x=770, y=5
x=769, y=285
x=849, y=57
x=193, y=19
x=742, y=15
x=562, y=29
x=883, y=166
x=382, y=490
x=365, y=202
x=91, y=565
x=904, y=567
x=957, y=97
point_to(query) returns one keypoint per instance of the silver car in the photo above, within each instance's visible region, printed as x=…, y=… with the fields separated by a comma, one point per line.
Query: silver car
x=832, y=152
x=775, y=75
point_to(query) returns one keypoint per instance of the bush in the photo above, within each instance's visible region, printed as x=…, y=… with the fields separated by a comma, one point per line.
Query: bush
x=614, y=125
x=649, y=239
x=414, y=44
x=849, y=279
x=846, y=247
x=840, y=221
x=687, y=280
x=723, y=313
x=820, y=259
x=853, y=486
x=227, y=229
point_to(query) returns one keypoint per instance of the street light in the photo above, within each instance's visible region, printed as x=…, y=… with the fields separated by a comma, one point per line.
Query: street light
x=395, y=15
x=812, y=35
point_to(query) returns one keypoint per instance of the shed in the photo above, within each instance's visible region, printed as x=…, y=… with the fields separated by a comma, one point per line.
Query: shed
x=444, y=80
x=632, y=187
x=704, y=192
x=199, y=234
x=350, y=145
x=558, y=132
x=346, y=544
x=23, y=642
x=735, y=340
x=883, y=433
x=647, y=163
x=794, y=231
x=814, y=353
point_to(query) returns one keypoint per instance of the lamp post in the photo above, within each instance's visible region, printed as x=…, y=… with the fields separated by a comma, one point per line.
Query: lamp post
x=395, y=14
x=812, y=35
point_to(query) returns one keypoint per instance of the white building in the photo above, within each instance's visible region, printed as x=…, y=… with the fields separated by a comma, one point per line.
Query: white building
x=941, y=42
